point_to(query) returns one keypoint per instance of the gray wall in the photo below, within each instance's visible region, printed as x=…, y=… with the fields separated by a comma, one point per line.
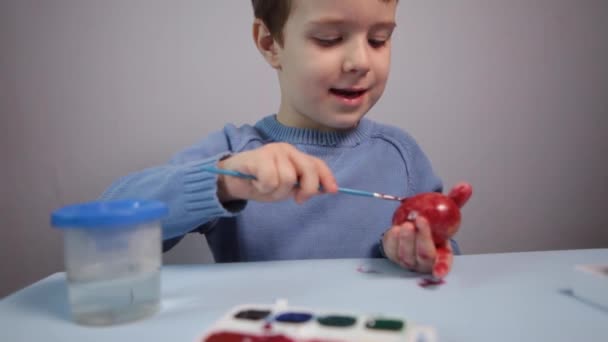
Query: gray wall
x=510, y=95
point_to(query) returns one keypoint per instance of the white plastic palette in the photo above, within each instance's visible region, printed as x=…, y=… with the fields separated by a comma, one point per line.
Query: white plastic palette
x=280, y=323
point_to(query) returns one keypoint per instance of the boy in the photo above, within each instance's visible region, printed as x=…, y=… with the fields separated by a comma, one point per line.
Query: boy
x=332, y=60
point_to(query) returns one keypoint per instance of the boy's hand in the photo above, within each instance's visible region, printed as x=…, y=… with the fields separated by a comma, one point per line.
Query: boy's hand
x=411, y=245
x=277, y=167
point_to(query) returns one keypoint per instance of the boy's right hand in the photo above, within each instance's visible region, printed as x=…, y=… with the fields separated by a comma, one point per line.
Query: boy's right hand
x=277, y=167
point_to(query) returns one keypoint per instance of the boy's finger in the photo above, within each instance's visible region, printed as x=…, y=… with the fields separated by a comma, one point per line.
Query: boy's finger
x=425, y=247
x=287, y=176
x=390, y=244
x=326, y=177
x=267, y=176
x=407, y=245
x=308, y=176
x=444, y=260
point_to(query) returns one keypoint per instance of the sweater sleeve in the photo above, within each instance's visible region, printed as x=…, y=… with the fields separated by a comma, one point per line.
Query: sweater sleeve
x=189, y=192
x=420, y=174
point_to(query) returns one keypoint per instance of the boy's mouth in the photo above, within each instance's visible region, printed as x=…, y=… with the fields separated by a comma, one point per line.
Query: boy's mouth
x=348, y=93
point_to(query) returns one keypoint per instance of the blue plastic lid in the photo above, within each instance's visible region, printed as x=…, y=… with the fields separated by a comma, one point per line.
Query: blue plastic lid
x=108, y=213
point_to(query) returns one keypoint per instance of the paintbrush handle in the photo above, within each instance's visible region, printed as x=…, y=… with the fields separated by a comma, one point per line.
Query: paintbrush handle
x=238, y=174
x=228, y=172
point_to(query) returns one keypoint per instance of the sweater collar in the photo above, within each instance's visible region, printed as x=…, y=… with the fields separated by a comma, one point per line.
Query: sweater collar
x=271, y=128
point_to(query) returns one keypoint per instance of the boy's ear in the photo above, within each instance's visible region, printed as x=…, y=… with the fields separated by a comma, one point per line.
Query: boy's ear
x=265, y=43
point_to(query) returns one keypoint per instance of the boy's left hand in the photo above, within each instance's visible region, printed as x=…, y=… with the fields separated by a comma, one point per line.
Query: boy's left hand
x=411, y=245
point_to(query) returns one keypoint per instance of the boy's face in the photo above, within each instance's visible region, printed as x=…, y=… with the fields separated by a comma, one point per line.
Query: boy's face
x=334, y=62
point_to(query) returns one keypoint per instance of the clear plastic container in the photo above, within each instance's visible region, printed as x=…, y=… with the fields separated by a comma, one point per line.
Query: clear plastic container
x=113, y=255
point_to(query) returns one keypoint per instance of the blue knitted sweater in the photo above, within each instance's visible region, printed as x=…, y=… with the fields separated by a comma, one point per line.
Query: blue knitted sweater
x=371, y=157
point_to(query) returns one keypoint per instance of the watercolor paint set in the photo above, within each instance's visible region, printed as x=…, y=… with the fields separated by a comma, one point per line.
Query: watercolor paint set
x=281, y=323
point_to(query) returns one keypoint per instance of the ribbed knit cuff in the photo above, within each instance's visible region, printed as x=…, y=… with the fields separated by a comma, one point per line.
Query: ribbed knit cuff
x=200, y=192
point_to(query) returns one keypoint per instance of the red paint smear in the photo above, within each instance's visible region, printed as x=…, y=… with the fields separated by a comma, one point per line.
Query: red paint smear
x=363, y=269
x=428, y=282
x=424, y=256
x=440, y=270
x=227, y=336
x=441, y=263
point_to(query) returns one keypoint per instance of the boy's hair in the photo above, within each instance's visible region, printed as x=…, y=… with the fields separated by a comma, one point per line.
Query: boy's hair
x=274, y=14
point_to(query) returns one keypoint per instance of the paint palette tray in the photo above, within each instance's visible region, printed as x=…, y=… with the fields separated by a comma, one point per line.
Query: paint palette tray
x=281, y=323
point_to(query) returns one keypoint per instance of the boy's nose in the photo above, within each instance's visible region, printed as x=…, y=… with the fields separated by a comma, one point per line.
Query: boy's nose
x=357, y=58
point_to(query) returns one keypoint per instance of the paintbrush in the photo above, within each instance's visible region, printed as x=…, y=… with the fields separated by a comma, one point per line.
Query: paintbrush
x=347, y=191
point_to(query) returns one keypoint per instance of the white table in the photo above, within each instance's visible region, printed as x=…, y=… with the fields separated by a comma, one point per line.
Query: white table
x=489, y=297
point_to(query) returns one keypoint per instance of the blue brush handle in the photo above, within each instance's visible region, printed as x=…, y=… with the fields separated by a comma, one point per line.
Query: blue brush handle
x=238, y=174
x=228, y=172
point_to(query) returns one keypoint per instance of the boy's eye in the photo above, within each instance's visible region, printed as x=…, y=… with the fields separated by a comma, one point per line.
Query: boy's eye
x=377, y=43
x=326, y=42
